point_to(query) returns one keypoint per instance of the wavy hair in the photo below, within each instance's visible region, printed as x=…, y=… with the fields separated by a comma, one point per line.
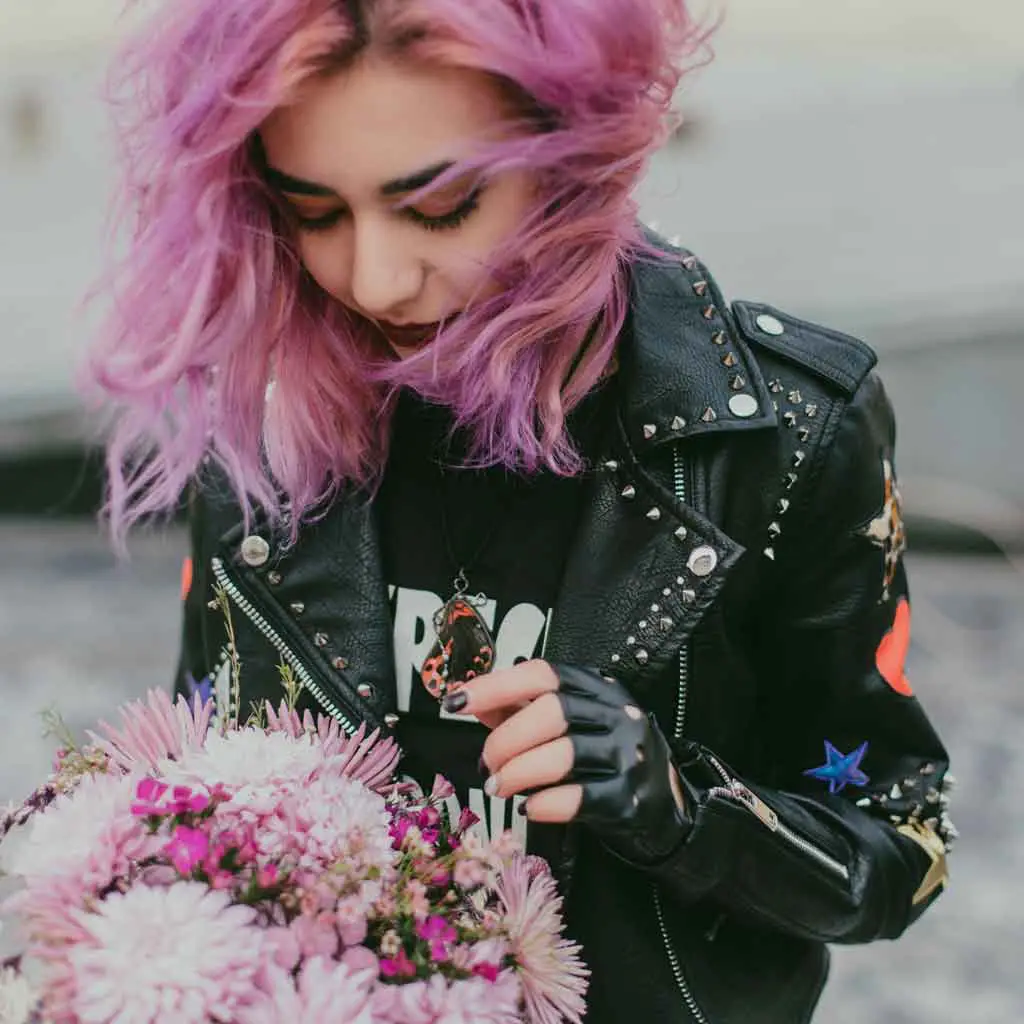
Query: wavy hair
x=218, y=344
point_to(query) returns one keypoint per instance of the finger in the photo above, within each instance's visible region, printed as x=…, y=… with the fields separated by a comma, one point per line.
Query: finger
x=541, y=766
x=560, y=804
x=532, y=726
x=502, y=689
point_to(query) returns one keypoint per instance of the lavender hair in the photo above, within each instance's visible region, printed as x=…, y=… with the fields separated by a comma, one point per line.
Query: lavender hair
x=217, y=343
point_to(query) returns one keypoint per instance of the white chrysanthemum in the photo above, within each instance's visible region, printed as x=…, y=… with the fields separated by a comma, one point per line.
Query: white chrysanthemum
x=17, y=998
x=247, y=759
x=324, y=991
x=88, y=834
x=165, y=956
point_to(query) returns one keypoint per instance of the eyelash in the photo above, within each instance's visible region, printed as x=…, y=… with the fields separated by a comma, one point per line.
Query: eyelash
x=445, y=222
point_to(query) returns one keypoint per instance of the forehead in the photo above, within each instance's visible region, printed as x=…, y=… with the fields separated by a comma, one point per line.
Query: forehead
x=379, y=120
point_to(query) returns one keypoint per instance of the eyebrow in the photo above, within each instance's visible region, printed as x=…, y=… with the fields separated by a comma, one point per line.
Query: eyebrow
x=397, y=186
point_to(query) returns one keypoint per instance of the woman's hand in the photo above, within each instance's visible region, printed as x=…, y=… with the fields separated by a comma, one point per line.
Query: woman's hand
x=579, y=745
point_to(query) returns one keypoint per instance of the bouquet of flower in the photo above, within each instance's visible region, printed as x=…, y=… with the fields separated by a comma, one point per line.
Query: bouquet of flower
x=178, y=871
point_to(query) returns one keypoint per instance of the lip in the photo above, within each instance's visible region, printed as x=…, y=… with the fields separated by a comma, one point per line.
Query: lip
x=411, y=335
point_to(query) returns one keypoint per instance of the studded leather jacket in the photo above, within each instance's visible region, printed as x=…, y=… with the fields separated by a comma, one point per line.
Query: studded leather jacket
x=738, y=567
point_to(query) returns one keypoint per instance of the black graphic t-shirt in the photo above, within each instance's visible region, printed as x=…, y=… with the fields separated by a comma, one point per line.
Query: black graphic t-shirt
x=512, y=534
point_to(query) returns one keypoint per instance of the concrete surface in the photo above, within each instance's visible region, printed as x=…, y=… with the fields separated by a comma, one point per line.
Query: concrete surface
x=82, y=634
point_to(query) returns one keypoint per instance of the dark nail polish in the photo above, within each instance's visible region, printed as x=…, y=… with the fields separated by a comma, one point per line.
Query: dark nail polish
x=455, y=702
x=482, y=766
x=521, y=810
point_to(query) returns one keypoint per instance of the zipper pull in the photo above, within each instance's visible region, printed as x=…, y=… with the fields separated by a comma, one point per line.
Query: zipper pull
x=764, y=813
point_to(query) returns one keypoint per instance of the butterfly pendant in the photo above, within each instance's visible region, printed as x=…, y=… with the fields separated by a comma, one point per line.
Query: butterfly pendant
x=464, y=648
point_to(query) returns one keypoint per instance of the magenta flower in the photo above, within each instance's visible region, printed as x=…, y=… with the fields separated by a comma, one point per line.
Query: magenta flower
x=187, y=848
x=442, y=789
x=398, y=966
x=467, y=820
x=439, y=935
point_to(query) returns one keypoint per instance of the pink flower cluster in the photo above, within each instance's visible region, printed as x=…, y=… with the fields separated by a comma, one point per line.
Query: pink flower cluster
x=266, y=873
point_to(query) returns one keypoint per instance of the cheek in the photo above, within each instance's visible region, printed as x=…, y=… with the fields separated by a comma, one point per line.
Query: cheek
x=326, y=258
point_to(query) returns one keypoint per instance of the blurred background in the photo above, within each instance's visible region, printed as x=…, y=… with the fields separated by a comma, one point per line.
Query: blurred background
x=858, y=162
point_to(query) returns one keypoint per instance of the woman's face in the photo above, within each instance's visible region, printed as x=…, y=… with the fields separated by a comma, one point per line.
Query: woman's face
x=360, y=141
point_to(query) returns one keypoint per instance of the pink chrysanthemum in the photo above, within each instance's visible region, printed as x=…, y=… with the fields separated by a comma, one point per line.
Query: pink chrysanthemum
x=87, y=837
x=165, y=956
x=437, y=1001
x=367, y=759
x=553, y=975
x=154, y=732
x=324, y=991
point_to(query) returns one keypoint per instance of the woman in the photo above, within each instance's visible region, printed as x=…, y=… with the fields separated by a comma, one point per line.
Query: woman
x=487, y=464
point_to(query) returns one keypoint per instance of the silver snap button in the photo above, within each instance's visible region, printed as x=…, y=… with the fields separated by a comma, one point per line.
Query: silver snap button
x=365, y=690
x=770, y=325
x=702, y=561
x=743, y=406
x=255, y=551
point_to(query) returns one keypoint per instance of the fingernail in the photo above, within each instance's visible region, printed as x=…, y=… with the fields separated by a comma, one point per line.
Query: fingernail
x=491, y=785
x=455, y=702
x=482, y=766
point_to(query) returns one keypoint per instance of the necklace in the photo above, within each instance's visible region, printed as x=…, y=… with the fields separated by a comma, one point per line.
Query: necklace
x=463, y=648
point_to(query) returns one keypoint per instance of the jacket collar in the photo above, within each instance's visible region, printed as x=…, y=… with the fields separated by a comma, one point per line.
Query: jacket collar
x=686, y=369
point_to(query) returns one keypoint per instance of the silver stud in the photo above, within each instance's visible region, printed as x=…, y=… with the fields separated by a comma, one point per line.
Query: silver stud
x=255, y=551
x=650, y=429
x=729, y=360
x=798, y=457
x=719, y=338
x=655, y=608
x=702, y=561
x=795, y=397
x=666, y=592
x=769, y=553
x=737, y=382
x=864, y=802
x=642, y=624
x=629, y=492
x=776, y=386
x=274, y=579
x=616, y=658
x=791, y=419
x=709, y=415
x=932, y=796
x=689, y=596
x=811, y=409
x=630, y=641
x=321, y=639
x=297, y=607
x=654, y=514
x=340, y=663
x=770, y=325
x=690, y=262
x=743, y=406
x=391, y=720
x=700, y=288
x=365, y=690
x=949, y=781
x=709, y=312
x=790, y=481
x=895, y=793
x=929, y=769
x=612, y=466
x=681, y=534
x=774, y=530
x=909, y=782
x=677, y=423
x=680, y=579
x=804, y=433
x=666, y=623
x=642, y=656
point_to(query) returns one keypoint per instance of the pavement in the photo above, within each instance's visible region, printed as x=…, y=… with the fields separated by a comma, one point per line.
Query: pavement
x=82, y=633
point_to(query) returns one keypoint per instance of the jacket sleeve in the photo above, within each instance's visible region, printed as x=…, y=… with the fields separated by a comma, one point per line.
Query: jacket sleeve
x=864, y=861
x=194, y=673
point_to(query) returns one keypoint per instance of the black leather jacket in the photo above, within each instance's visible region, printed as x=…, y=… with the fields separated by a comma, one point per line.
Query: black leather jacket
x=737, y=567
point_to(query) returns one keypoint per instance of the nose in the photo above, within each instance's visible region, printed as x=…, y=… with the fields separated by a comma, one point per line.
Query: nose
x=386, y=276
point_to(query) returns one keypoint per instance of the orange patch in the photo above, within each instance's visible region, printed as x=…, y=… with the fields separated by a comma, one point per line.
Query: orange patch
x=891, y=657
x=186, y=578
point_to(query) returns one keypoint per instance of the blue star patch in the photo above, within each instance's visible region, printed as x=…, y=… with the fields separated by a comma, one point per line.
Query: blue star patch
x=840, y=770
x=204, y=688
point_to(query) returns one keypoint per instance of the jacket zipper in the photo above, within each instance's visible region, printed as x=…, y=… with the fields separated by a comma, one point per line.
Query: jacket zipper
x=679, y=483
x=733, y=789
x=280, y=645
